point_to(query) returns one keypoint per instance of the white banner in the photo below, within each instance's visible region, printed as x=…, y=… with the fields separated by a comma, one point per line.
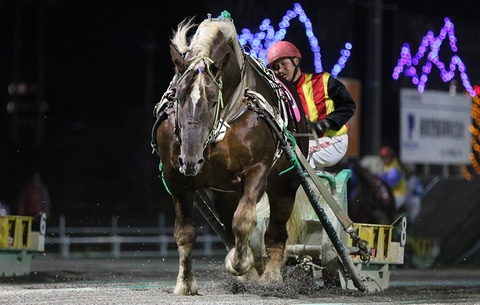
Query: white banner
x=434, y=127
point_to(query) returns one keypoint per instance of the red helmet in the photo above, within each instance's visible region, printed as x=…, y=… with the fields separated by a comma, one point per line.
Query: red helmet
x=386, y=152
x=282, y=49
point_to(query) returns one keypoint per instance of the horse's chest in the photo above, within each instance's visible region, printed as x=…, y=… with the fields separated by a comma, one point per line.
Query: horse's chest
x=220, y=170
x=218, y=180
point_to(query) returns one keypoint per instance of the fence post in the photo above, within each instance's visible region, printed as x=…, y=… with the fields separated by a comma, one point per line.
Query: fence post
x=116, y=239
x=116, y=246
x=162, y=235
x=64, y=241
x=161, y=224
x=208, y=244
x=164, y=245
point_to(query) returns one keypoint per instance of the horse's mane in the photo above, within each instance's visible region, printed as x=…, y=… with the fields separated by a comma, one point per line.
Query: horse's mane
x=363, y=174
x=200, y=44
x=180, y=36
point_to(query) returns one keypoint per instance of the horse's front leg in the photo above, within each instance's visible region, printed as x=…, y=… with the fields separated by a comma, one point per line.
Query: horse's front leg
x=185, y=233
x=240, y=260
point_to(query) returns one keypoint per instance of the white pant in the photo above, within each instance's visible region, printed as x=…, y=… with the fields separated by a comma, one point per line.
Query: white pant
x=328, y=152
x=413, y=205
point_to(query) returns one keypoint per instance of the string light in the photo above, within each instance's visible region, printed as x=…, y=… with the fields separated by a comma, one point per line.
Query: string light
x=261, y=41
x=407, y=64
x=474, y=167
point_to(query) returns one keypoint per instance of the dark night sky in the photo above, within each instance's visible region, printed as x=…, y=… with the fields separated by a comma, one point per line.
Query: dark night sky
x=95, y=154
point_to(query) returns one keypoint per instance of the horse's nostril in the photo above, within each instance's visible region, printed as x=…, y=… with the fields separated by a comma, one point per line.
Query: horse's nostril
x=201, y=161
x=180, y=160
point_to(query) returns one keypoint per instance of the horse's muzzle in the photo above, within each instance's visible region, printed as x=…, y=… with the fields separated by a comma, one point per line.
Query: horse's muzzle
x=190, y=166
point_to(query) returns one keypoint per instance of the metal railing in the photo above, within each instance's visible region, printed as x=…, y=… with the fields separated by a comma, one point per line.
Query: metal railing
x=92, y=240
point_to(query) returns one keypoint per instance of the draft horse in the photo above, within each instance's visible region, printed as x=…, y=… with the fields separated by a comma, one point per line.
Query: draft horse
x=214, y=133
x=372, y=200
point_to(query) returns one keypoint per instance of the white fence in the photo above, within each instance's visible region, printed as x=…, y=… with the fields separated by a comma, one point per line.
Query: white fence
x=92, y=240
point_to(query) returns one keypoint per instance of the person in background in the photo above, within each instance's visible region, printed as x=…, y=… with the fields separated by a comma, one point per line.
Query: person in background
x=415, y=192
x=393, y=174
x=34, y=198
x=325, y=101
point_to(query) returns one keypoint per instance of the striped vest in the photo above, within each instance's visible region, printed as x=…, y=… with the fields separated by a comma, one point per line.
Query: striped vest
x=313, y=91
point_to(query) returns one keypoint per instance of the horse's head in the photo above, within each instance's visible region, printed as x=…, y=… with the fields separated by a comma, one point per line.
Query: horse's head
x=200, y=95
x=373, y=201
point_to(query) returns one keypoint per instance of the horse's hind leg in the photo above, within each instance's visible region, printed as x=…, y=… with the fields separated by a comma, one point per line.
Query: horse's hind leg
x=185, y=233
x=276, y=236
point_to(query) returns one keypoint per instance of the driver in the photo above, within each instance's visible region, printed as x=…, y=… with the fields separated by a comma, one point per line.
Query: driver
x=325, y=100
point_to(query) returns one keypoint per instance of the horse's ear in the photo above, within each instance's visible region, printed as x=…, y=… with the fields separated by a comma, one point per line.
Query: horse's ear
x=221, y=64
x=178, y=60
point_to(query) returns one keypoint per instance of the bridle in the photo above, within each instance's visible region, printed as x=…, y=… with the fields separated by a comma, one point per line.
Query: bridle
x=207, y=61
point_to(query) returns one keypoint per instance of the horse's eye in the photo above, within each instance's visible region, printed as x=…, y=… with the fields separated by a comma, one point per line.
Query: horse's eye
x=180, y=101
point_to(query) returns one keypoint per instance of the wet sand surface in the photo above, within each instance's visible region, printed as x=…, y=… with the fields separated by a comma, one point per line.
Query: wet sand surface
x=56, y=280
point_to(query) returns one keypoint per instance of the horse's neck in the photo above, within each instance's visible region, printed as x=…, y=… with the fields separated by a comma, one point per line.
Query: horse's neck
x=239, y=54
x=238, y=90
x=249, y=80
x=234, y=108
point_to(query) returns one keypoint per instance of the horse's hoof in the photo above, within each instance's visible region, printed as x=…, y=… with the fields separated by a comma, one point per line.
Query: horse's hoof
x=185, y=291
x=181, y=291
x=269, y=277
x=186, y=288
x=236, y=267
x=250, y=276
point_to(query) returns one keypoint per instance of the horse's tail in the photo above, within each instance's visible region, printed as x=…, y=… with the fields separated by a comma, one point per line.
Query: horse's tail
x=296, y=225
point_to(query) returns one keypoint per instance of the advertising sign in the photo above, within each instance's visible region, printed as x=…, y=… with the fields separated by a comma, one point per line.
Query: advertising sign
x=354, y=87
x=434, y=127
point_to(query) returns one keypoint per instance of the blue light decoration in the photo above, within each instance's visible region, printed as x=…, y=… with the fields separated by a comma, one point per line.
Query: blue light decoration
x=407, y=64
x=261, y=41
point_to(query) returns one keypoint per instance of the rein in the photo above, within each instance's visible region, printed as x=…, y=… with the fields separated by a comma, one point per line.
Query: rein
x=227, y=113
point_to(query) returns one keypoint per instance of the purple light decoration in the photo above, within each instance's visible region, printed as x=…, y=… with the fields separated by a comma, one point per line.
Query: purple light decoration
x=407, y=64
x=269, y=36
